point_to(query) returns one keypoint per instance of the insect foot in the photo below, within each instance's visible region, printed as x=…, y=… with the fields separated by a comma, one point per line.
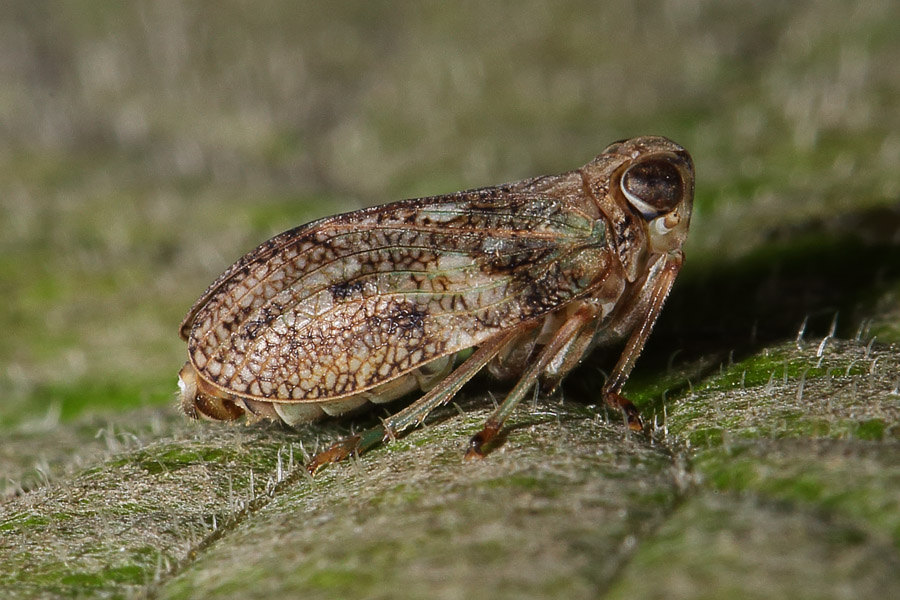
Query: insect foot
x=480, y=440
x=366, y=307
x=629, y=410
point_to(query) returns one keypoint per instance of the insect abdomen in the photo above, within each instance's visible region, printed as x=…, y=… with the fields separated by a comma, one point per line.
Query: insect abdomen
x=201, y=399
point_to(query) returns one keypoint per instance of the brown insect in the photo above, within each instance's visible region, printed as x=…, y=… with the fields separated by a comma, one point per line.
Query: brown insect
x=371, y=305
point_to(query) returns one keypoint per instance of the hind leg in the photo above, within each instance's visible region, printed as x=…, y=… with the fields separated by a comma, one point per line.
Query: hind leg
x=416, y=412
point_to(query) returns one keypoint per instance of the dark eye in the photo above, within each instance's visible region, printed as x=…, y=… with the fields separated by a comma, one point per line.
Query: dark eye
x=653, y=186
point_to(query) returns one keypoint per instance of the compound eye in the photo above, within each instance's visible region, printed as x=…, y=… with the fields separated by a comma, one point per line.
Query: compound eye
x=653, y=186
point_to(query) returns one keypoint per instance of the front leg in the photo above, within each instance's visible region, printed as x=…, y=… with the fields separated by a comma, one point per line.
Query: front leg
x=648, y=305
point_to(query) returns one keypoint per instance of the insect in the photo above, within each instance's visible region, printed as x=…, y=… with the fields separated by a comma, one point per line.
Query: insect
x=368, y=306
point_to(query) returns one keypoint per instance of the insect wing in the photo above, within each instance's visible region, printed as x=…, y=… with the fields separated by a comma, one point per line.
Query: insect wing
x=343, y=304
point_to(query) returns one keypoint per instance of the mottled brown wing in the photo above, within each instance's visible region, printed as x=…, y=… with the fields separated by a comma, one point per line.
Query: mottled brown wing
x=345, y=303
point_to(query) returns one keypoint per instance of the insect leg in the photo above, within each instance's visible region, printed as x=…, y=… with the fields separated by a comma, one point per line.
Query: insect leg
x=416, y=412
x=658, y=289
x=567, y=336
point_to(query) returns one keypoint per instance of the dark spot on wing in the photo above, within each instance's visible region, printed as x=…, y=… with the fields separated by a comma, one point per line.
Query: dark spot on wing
x=345, y=290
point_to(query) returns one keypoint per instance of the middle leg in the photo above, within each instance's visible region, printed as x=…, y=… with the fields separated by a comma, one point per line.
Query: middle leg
x=561, y=354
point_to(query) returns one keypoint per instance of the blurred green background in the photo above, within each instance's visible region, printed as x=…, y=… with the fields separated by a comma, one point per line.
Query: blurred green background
x=146, y=146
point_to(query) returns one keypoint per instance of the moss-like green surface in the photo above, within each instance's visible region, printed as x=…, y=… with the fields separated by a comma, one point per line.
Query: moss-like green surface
x=146, y=147
x=738, y=546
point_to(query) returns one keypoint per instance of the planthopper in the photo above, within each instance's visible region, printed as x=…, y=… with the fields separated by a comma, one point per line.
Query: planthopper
x=523, y=279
